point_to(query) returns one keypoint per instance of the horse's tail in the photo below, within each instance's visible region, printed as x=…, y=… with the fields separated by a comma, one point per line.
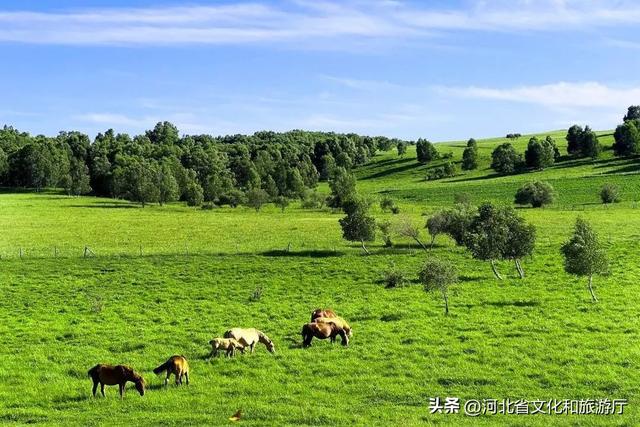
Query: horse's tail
x=162, y=367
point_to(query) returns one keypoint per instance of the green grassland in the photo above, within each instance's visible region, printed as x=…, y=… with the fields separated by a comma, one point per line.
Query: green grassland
x=536, y=338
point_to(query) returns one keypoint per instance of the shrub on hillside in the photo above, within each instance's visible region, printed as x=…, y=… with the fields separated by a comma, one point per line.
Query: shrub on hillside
x=535, y=193
x=437, y=275
x=393, y=277
x=445, y=171
x=609, y=194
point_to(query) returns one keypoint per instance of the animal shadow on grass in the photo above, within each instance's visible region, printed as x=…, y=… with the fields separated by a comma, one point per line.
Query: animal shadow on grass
x=294, y=342
x=106, y=205
x=303, y=254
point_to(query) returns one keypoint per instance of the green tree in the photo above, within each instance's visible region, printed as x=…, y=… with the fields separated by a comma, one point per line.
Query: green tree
x=194, y=194
x=438, y=275
x=583, y=254
x=136, y=180
x=492, y=234
x=470, y=157
x=589, y=144
x=437, y=224
x=505, y=159
x=358, y=226
x=402, y=148
x=256, y=197
x=425, y=151
x=539, y=154
x=78, y=178
x=627, y=138
x=168, y=190
x=633, y=113
x=343, y=187
x=282, y=202
x=573, y=138
x=385, y=230
x=535, y=193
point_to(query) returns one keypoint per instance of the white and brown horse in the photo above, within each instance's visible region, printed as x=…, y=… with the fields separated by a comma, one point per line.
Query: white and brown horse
x=249, y=337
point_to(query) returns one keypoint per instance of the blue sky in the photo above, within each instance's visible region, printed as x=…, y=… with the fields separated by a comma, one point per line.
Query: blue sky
x=434, y=69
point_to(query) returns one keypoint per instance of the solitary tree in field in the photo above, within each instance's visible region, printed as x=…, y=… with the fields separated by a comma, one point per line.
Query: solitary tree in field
x=256, y=197
x=609, y=194
x=402, y=148
x=496, y=232
x=407, y=228
x=358, y=226
x=425, y=151
x=436, y=224
x=535, y=193
x=281, y=202
x=470, y=155
x=437, y=275
x=583, y=254
x=627, y=138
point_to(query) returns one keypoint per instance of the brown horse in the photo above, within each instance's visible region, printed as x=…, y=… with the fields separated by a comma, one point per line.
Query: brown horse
x=320, y=312
x=229, y=345
x=176, y=365
x=112, y=375
x=338, y=321
x=322, y=331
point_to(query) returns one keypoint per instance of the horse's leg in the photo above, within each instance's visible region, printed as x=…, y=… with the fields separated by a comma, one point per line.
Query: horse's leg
x=253, y=344
x=95, y=388
x=121, y=386
x=178, y=378
x=166, y=380
x=102, y=389
x=186, y=377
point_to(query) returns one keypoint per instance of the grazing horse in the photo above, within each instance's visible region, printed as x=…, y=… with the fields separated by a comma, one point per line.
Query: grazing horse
x=338, y=321
x=176, y=365
x=249, y=337
x=319, y=312
x=228, y=344
x=112, y=375
x=322, y=331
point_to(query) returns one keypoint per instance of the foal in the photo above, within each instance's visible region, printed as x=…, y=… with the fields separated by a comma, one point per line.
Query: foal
x=323, y=331
x=112, y=375
x=176, y=365
x=228, y=344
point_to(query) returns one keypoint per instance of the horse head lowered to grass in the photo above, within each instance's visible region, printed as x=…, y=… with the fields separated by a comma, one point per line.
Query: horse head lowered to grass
x=249, y=337
x=112, y=375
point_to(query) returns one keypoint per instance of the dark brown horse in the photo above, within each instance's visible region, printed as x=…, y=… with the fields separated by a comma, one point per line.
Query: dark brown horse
x=176, y=365
x=112, y=375
x=320, y=312
x=323, y=331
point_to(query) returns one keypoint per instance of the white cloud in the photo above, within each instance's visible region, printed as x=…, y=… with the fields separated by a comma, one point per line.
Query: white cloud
x=560, y=95
x=302, y=23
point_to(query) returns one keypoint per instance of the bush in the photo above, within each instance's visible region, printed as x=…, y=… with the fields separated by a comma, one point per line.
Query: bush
x=535, y=193
x=609, y=194
x=462, y=198
x=233, y=198
x=386, y=204
x=312, y=200
x=385, y=230
x=395, y=210
x=445, y=171
x=393, y=277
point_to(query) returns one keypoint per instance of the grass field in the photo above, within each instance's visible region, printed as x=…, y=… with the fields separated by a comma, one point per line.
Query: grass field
x=537, y=338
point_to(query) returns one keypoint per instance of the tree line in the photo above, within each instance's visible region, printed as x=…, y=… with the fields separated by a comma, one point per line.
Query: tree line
x=161, y=166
